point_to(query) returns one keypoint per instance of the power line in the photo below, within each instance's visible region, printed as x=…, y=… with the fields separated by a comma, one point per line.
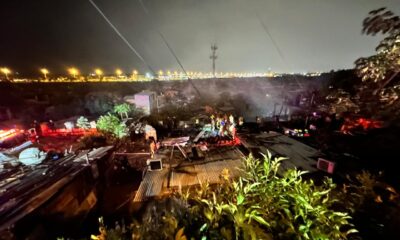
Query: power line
x=170, y=48
x=164, y=40
x=122, y=37
x=266, y=30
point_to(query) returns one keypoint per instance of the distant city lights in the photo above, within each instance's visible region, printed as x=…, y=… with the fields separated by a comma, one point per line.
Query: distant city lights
x=118, y=72
x=45, y=72
x=98, y=72
x=6, y=72
x=167, y=75
x=73, y=72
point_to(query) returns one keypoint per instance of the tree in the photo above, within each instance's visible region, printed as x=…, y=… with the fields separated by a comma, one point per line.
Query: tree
x=382, y=67
x=122, y=109
x=83, y=123
x=379, y=71
x=110, y=124
x=120, y=131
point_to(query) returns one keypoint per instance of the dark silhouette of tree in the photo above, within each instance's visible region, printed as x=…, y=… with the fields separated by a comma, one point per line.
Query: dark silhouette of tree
x=383, y=67
x=379, y=73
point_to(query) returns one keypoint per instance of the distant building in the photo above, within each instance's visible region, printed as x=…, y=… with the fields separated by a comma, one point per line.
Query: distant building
x=146, y=100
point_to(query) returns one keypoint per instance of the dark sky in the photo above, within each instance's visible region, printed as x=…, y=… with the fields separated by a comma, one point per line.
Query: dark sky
x=313, y=35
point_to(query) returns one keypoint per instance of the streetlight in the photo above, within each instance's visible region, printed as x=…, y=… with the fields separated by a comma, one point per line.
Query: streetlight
x=98, y=72
x=73, y=72
x=118, y=72
x=44, y=71
x=135, y=75
x=5, y=71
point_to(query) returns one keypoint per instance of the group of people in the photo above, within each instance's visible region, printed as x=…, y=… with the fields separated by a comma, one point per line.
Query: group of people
x=224, y=125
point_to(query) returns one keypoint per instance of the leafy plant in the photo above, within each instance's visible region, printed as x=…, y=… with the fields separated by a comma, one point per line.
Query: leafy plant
x=373, y=204
x=385, y=65
x=110, y=124
x=83, y=123
x=379, y=71
x=260, y=204
x=122, y=109
x=263, y=205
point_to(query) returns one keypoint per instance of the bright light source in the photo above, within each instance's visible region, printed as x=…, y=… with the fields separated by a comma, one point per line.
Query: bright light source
x=5, y=70
x=73, y=72
x=98, y=72
x=135, y=72
x=44, y=71
x=118, y=72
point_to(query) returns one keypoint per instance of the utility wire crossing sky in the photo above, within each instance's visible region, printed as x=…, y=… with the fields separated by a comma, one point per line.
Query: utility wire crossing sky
x=309, y=35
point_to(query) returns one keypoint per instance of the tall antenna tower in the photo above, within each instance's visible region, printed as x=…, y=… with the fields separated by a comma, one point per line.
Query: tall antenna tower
x=213, y=56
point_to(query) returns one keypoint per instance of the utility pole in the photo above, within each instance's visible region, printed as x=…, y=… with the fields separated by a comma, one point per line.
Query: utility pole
x=213, y=56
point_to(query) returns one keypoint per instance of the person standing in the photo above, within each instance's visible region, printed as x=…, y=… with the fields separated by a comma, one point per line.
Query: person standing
x=212, y=123
x=153, y=147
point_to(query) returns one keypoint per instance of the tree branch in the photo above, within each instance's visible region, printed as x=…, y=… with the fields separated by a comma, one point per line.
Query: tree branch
x=386, y=82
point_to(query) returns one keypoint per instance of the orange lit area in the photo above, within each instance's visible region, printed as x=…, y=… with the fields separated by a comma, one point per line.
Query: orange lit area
x=229, y=142
x=11, y=138
x=7, y=134
x=360, y=124
x=67, y=132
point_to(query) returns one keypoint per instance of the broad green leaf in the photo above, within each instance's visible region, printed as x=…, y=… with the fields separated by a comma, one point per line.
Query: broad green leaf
x=240, y=199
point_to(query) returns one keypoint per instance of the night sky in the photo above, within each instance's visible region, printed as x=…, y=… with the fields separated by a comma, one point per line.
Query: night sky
x=313, y=35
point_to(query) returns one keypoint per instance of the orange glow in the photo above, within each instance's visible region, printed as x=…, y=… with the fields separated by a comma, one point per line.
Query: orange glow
x=6, y=134
x=360, y=123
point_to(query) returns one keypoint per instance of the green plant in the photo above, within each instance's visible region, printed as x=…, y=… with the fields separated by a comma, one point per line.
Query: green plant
x=263, y=205
x=122, y=109
x=111, y=125
x=260, y=204
x=83, y=123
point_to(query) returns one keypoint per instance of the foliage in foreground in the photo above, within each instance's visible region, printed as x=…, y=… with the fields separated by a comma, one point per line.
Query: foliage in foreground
x=374, y=205
x=259, y=205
